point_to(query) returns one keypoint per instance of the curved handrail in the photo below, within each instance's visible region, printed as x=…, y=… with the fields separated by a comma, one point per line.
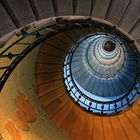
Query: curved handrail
x=53, y=29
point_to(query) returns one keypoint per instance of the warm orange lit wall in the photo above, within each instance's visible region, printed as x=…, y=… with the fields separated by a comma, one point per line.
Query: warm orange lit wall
x=21, y=116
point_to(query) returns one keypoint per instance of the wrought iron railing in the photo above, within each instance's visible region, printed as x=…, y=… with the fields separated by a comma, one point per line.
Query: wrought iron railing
x=42, y=33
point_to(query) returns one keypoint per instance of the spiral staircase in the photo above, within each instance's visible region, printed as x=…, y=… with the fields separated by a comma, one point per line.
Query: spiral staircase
x=70, y=77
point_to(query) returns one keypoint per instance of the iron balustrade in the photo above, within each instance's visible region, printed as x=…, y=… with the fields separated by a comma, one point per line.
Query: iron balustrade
x=51, y=30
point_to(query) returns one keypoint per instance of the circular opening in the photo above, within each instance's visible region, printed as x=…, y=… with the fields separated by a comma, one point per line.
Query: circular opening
x=102, y=82
x=109, y=46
